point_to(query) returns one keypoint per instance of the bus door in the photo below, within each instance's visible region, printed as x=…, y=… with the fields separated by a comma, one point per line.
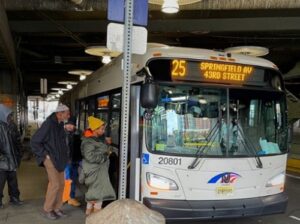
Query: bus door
x=82, y=115
x=86, y=109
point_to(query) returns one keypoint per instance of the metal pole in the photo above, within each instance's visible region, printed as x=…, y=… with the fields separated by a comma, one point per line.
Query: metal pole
x=125, y=97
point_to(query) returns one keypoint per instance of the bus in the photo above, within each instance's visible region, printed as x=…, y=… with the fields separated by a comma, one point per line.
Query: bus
x=208, y=130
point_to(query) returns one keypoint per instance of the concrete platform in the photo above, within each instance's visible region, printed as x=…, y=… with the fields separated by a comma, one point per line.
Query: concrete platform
x=33, y=184
x=29, y=214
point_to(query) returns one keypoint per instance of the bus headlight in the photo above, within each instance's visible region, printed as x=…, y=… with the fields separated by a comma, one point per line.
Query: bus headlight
x=160, y=182
x=276, y=181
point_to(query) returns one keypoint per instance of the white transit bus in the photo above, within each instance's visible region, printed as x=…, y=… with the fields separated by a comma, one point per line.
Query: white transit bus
x=208, y=130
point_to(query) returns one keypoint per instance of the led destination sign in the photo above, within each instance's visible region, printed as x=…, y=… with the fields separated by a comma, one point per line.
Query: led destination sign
x=218, y=72
x=230, y=72
x=182, y=70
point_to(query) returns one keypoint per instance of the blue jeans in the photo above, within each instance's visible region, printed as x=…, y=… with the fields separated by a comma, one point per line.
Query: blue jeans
x=71, y=172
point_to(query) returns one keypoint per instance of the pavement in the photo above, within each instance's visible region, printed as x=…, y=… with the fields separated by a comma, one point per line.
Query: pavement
x=33, y=184
x=29, y=213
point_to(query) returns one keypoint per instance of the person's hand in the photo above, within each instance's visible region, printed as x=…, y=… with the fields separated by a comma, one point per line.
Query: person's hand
x=108, y=140
x=46, y=158
x=109, y=151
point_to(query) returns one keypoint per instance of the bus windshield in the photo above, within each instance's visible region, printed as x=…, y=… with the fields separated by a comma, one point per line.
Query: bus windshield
x=218, y=122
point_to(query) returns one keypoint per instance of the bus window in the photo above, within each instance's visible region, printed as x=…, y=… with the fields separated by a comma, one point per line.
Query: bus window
x=190, y=119
x=102, y=115
x=116, y=101
x=103, y=102
x=187, y=119
x=258, y=122
x=278, y=115
x=82, y=116
x=253, y=106
x=91, y=107
x=114, y=127
x=102, y=108
x=77, y=113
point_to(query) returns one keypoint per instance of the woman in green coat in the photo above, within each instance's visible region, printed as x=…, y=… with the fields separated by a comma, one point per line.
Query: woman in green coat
x=95, y=166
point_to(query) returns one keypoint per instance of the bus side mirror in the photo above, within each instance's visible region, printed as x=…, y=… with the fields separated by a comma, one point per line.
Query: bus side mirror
x=149, y=95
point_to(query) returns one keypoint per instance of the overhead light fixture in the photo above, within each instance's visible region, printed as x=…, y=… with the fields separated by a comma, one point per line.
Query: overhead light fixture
x=256, y=51
x=170, y=6
x=81, y=72
x=106, y=59
x=59, y=89
x=69, y=84
x=60, y=92
x=57, y=95
x=103, y=52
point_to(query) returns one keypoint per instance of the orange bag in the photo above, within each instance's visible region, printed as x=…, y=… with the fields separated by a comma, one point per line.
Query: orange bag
x=67, y=190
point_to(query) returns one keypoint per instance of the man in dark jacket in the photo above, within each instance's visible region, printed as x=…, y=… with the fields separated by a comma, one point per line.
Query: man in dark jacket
x=9, y=157
x=51, y=151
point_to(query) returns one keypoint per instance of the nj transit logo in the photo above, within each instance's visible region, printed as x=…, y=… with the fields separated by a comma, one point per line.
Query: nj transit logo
x=224, y=178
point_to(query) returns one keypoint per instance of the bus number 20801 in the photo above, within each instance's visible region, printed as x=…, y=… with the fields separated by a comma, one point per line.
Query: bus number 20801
x=169, y=161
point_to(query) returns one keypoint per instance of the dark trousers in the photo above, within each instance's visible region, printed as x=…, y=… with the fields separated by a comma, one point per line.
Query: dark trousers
x=11, y=178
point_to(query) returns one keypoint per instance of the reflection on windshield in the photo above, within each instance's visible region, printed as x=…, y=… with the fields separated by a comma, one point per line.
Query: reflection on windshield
x=188, y=120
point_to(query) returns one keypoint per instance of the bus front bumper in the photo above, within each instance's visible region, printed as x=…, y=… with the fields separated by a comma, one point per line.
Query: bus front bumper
x=197, y=210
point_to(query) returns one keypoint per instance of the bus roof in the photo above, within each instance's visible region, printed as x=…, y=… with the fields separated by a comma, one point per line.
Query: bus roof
x=109, y=76
x=205, y=54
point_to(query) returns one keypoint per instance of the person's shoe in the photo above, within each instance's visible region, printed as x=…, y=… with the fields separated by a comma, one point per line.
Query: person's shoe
x=49, y=215
x=16, y=201
x=60, y=214
x=73, y=202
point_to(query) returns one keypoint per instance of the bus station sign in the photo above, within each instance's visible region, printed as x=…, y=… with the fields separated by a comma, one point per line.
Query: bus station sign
x=116, y=10
x=115, y=38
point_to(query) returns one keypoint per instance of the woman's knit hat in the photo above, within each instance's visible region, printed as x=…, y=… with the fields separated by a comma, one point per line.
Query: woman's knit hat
x=95, y=123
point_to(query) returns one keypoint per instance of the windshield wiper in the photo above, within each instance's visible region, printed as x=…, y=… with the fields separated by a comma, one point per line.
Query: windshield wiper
x=211, y=137
x=201, y=149
x=249, y=146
